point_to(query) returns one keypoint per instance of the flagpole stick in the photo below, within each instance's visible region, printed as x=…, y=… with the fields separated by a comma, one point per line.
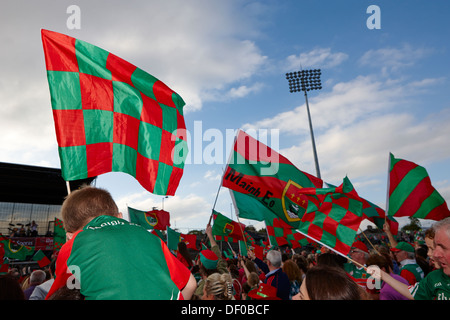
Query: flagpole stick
x=217, y=195
x=242, y=231
x=369, y=242
x=387, y=189
x=68, y=187
x=332, y=249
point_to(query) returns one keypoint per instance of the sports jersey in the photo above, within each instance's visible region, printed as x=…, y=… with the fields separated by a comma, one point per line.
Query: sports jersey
x=435, y=286
x=411, y=271
x=113, y=259
x=359, y=275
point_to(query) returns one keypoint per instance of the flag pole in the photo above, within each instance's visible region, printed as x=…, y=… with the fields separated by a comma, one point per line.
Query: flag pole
x=242, y=231
x=215, y=201
x=332, y=249
x=221, y=180
x=387, y=189
x=68, y=187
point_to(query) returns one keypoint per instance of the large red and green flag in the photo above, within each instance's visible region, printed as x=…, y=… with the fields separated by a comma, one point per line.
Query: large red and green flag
x=375, y=214
x=111, y=116
x=154, y=219
x=59, y=234
x=411, y=193
x=333, y=216
x=225, y=227
x=264, y=174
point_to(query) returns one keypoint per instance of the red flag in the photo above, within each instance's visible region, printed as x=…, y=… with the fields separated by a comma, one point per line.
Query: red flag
x=190, y=240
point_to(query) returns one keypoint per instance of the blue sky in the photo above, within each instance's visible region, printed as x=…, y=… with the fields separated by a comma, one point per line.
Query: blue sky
x=384, y=90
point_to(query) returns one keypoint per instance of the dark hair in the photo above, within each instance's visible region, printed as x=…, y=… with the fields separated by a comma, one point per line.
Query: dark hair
x=331, y=283
x=182, y=249
x=65, y=293
x=10, y=289
x=330, y=259
x=382, y=261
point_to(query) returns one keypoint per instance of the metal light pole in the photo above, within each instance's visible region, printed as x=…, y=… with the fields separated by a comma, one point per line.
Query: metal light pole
x=306, y=80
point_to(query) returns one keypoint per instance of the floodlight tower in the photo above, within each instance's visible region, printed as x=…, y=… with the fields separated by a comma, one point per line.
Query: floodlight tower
x=306, y=80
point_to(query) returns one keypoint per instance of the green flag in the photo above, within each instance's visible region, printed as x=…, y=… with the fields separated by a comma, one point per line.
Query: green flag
x=411, y=193
x=154, y=219
x=262, y=173
x=224, y=226
x=173, y=238
x=111, y=116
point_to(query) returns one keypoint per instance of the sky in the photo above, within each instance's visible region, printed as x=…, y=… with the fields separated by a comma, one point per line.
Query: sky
x=385, y=87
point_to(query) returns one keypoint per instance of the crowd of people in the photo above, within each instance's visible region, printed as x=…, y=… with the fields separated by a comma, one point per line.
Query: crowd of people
x=107, y=257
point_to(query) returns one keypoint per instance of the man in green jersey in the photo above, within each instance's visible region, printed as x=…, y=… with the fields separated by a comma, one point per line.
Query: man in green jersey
x=436, y=285
x=109, y=258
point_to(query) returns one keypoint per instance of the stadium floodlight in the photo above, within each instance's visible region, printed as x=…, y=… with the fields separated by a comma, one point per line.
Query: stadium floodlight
x=306, y=80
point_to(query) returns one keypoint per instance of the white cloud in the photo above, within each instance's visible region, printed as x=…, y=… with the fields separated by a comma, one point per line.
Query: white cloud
x=212, y=176
x=243, y=90
x=322, y=57
x=393, y=59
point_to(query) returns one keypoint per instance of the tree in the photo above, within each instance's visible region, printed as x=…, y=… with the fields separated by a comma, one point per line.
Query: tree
x=413, y=225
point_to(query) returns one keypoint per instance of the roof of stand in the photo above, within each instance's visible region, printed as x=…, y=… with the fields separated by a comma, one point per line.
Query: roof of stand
x=32, y=184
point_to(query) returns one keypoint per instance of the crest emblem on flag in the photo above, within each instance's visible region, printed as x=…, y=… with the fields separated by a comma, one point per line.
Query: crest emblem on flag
x=151, y=218
x=228, y=228
x=293, y=202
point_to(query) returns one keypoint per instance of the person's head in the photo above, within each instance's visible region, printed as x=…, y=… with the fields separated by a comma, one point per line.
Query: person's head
x=253, y=279
x=274, y=259
x=441, y=252
x=383, y=261
x=404, y=250
x=330, y=259
x=208, y=262
x=10, y=289
x=429, y=241
x=359, y=252
x=85, y=204
x=292, y=270
x=183, y=250
x=37, y=277
x=218, y=286
x=328, y=283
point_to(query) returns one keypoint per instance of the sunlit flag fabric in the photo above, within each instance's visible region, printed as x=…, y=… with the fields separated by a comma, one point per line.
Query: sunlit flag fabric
x=154, y=219
x=279, y=232
x=333, y=216
x=111, y=116
x=224, y=226
x=411, y=193
x=262, y=173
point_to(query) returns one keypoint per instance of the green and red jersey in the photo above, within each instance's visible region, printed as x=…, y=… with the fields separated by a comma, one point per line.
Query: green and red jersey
x=435, y=286
x=113, y=259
